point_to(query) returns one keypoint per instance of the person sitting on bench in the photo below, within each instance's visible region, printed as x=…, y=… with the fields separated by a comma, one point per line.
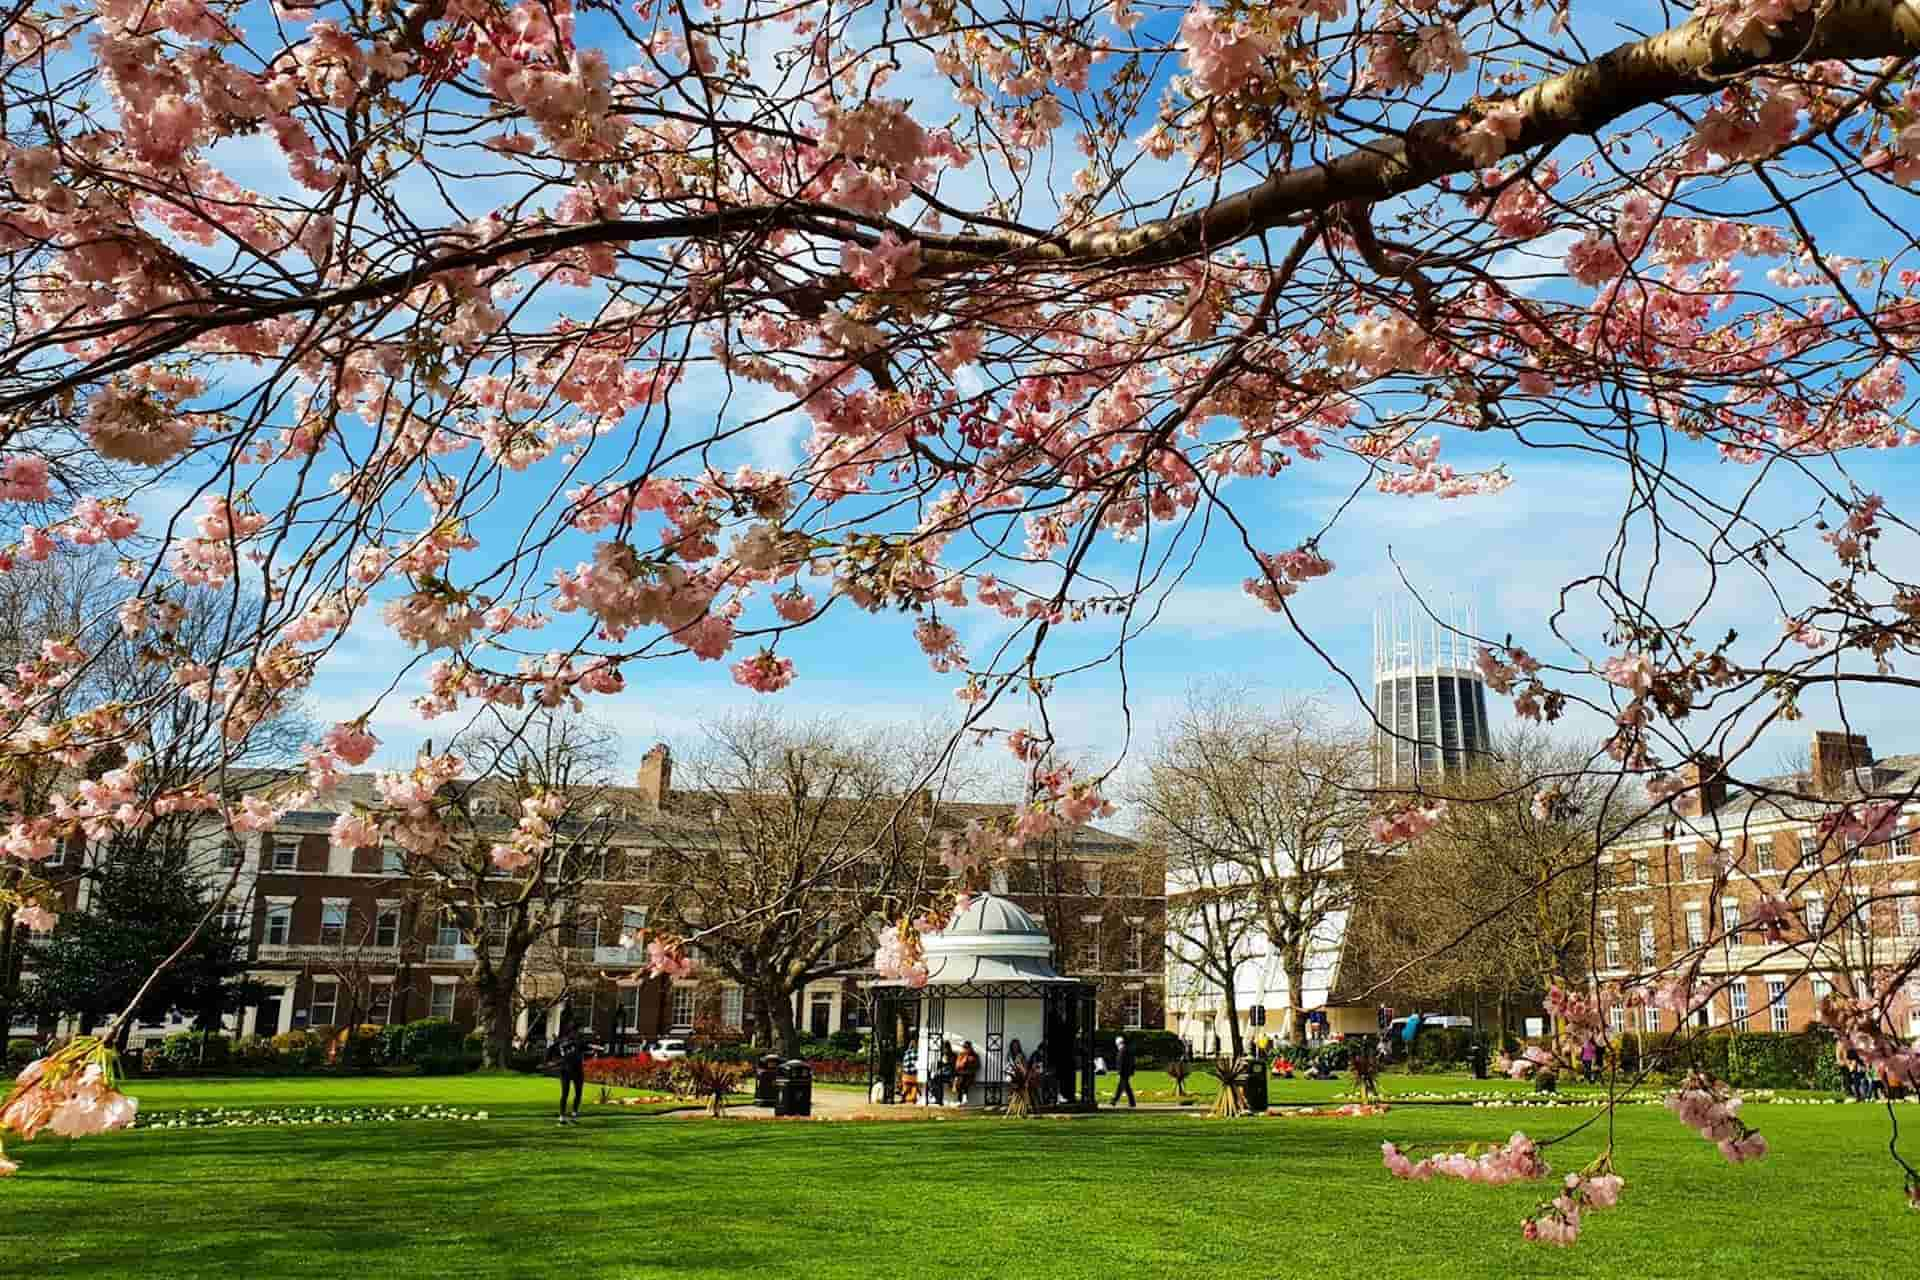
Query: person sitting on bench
x=966, y=1068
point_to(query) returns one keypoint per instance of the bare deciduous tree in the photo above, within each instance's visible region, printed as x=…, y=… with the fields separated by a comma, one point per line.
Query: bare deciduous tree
x=797, y=839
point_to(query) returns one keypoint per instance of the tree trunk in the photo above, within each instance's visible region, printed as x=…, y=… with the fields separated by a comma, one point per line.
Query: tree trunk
x=496, y=1012
x=786, y=1027
x=1296, y=970
x=1233, y=1017
x=8, y=974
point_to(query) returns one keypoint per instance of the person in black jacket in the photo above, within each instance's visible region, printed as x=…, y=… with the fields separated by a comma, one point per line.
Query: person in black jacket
x=571, y=1051
x=1123, y=1068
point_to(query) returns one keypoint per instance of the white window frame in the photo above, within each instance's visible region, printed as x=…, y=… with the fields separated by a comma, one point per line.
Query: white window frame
x=1609, y=940
x=393, y=862
x=314, y=1006
x=1809, y=851
x=682, y=992
x=344, y=906
x=1093, y=875
x=282, y=905
x=1737, y=1009
x=1643, y=927
x=380, y=1000
x=1137, y=943
x=733, y=1006
x=1689, y=862
x=1777, y=1003
x=1906, y=911
x=291, y=848
x=1642, y=873
x=384, y=909
x=451, y=987
x=1730, y=919
x=1134, y=1011
x=1813, y=910
x=1617, y=1018
x=1695, y=917
x=628, y=1007
x=1650, y=1018
x=997, y=880
x=633, y=922
x=1089, y=945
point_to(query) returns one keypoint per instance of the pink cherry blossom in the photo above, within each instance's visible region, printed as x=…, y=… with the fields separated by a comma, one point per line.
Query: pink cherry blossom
x=36, y=917
x=351, y=742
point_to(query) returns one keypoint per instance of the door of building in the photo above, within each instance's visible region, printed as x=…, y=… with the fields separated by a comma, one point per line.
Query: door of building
x=820, y=1015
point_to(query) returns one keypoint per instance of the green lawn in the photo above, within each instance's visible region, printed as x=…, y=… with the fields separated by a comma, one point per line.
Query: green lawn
x=1137, y=1195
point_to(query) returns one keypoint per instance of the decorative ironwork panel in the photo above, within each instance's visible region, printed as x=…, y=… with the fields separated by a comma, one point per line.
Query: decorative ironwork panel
x=1088, y=1097
x=996, y=1072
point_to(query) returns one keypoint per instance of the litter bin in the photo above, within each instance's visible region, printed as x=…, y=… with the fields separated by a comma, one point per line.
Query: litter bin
x=766, y=1081
x=796, y=1090
x=1256, y=1089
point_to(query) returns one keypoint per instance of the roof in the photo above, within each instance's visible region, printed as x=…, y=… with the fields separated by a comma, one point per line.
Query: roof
x=685, y=811
x=993, y=940
x=1780, y=799
x=988, y=915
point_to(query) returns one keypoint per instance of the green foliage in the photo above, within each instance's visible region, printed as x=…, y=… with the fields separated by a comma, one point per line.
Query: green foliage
x=1775, y=1060
x=145, y=901
x=429, y=1036
x=190, y=1049
x=20, y=1052
x=1441, y=1046
x=448, y=1062
x=1151, y=1047
x=1334, y=1055
x=736, y=1052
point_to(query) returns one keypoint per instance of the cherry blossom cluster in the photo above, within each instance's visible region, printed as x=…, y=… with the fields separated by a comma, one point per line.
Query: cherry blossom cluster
x=1407, y=823
x=1557, y=1221
x=1713, y=1111
x=1518, y=1160
x=1282, y=574
x=532, y=833
x=72, y=1093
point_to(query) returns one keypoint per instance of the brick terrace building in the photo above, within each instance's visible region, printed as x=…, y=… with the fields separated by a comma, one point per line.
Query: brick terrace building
x=328, y=929
x=1857, y=908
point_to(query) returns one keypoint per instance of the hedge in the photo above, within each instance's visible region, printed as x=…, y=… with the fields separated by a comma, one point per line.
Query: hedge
x=1152, y=1048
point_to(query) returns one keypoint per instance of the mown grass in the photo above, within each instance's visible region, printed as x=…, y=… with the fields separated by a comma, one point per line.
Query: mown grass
x=1138, y=1195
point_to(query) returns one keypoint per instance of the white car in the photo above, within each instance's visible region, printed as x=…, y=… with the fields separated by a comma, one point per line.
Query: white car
x=666, y=1049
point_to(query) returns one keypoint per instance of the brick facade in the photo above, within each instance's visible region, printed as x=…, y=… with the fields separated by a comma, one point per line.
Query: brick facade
x=345, y=933
x=1695, y=878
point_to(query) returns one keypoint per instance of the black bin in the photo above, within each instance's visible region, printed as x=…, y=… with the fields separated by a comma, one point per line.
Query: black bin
x=1257, y=1085
x=766, y=1081
x=796, y=1090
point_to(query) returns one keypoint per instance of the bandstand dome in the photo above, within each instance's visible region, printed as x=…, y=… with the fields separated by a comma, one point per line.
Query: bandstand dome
x=992, y=941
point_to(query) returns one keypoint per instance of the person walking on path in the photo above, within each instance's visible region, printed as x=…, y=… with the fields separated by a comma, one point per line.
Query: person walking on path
x=571, y=1051
x=1123, y=1068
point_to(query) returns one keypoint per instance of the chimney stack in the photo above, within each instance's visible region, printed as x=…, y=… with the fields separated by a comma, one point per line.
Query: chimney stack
x=1835, y=757
x=656, y=777
x=1707, y=788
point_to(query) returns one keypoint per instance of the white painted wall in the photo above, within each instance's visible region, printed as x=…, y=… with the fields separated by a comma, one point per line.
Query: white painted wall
x=967, y=1020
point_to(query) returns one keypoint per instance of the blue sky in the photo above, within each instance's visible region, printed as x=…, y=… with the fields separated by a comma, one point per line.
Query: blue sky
x=1508, y=556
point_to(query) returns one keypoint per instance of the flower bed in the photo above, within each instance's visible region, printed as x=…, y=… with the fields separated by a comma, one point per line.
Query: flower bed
x=250, y=1117
x=1353, y=1110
